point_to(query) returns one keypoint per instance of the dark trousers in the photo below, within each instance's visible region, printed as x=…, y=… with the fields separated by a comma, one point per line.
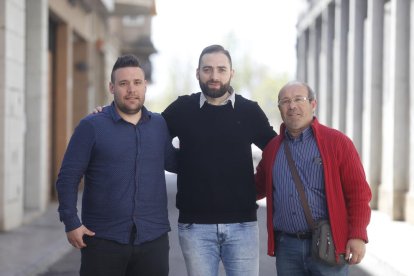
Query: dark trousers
x=108, y=258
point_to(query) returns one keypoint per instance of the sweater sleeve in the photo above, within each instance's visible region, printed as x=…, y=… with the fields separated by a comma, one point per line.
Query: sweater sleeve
x=171, y=114
x=263, y=131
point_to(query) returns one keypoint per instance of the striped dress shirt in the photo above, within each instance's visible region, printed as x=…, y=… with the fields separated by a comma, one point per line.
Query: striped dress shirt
x=288, y=210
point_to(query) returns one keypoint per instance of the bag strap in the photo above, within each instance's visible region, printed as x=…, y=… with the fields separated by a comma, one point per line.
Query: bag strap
x=299, y=186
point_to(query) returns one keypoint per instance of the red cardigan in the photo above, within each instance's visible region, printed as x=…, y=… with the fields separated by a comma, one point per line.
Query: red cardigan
x=347, y=191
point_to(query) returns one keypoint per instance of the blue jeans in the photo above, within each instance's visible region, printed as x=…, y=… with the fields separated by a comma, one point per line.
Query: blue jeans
x=235, y=244
x=293, y=257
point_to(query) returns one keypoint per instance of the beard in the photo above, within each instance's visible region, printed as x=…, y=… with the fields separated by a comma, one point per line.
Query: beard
x=215, y=93
x=129, y=109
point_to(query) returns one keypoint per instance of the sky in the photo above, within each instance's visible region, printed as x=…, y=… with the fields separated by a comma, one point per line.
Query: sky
x=265, y=29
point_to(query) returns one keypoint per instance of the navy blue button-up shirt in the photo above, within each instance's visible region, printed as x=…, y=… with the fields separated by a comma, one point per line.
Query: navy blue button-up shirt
x=123, y=167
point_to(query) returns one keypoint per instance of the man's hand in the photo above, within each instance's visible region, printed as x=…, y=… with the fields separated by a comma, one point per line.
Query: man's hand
x=355, y=251
x=75, y=237
x=97, y=109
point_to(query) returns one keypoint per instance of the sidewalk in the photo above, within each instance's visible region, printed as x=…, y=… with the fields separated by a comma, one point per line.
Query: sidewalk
x=389, y=251
x=32, y=248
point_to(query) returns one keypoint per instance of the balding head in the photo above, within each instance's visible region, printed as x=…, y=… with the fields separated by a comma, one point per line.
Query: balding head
x=311, y=93
x=296, y=101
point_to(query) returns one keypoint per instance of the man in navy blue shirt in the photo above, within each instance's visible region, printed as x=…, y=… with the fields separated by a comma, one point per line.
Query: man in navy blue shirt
x=121, y=152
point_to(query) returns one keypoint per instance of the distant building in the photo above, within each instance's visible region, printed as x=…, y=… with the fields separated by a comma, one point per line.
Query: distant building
x=55, y=62
x=358, y=55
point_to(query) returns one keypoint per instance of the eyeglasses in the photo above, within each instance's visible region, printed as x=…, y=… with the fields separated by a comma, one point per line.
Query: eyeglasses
x=296, y=100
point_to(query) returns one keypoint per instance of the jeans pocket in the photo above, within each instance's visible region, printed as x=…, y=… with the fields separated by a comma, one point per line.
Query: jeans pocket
x=185, y=226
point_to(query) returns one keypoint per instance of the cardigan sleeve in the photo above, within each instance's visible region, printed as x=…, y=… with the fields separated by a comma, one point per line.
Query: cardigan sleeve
x=356, y=190
x=260, y=180
x=263, y=175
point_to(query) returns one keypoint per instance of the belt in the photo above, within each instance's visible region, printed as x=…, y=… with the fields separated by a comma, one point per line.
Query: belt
x=298, y=235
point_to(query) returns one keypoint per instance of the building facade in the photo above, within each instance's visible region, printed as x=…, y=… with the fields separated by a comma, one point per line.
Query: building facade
x=358, y=55
x=55, y=62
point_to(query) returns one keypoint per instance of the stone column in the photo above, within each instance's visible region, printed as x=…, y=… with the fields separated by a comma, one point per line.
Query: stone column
x=396, y=106
x=37, y=173
x=313, y=55
x=357, y=14
x=387, y=123
x=326, y=66
x=372, y=102
x=340, y=64
x=409, y=209
x=301, y=65
x=12, y=113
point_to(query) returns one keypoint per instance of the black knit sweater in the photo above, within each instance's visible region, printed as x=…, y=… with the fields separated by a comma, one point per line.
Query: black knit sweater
x=215, y=182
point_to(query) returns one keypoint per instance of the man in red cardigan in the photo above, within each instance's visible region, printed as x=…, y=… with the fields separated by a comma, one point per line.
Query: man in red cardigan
x=335, y=186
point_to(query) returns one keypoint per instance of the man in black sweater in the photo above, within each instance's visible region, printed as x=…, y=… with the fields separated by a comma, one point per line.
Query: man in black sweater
x=216, y=194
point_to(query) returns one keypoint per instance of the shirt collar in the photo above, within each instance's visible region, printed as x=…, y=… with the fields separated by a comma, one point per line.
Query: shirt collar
x=306, y=134
x=231, y=98
x=145, y=115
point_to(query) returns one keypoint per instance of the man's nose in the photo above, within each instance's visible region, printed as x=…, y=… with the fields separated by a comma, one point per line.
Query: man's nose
x=292, y=104
x=130, y=87
x=214, y=75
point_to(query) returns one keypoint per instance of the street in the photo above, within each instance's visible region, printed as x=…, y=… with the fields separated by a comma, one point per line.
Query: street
x=69, y=264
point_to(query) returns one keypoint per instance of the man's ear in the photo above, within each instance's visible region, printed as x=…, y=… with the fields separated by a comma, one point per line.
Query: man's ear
x=314, y=104
x=111, y=87
x=198, y=74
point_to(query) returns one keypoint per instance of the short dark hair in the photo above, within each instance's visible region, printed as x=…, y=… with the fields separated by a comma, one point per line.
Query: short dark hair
x=128, y=60
x=214, y=49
